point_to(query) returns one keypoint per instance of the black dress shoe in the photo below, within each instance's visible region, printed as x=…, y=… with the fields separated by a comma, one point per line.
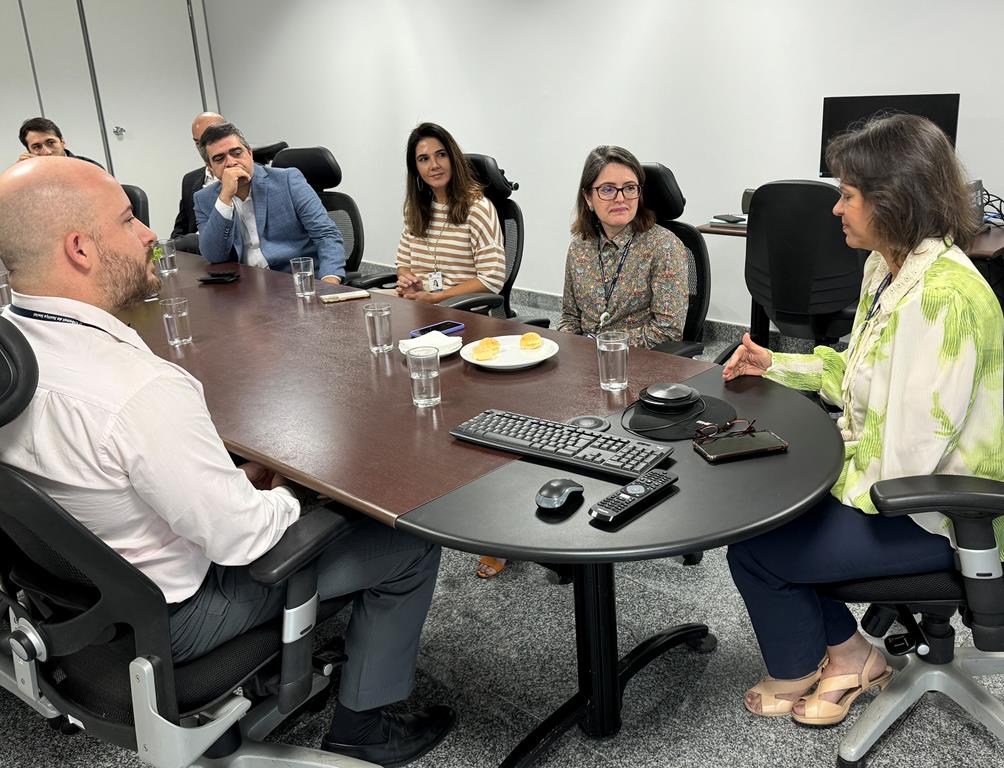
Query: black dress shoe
x=411, y=736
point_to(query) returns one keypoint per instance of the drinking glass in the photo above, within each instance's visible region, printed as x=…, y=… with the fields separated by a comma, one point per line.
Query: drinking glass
x=303, y=276
x=378, y=327
x=163, y=254
x=423, y=367
x=612, y=355
x=176, y=324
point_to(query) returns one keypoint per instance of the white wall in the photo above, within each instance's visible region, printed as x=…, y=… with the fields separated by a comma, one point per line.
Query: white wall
x=727, y=94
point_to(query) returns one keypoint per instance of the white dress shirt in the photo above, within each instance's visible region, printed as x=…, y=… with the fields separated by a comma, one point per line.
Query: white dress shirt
x=252, y=255
x=123, y=441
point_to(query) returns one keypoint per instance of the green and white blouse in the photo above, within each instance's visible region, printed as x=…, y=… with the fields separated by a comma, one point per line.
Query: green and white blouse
x=920, y=383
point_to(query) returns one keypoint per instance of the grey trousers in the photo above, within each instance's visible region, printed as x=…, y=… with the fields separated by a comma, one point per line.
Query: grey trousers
x=394, y=575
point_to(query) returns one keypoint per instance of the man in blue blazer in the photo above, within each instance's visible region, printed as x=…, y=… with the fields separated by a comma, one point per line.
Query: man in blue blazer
x=261, y=216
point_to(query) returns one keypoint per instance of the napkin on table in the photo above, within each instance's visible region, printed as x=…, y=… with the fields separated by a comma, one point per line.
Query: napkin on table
x=440, y=341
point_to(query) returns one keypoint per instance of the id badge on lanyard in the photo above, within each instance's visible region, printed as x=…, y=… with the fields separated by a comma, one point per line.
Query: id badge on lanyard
x=435, y=282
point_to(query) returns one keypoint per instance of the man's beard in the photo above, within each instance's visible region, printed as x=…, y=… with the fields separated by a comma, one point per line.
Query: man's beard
x=124, y=281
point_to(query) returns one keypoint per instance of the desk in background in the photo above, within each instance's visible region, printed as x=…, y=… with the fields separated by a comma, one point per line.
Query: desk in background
x=291, y=383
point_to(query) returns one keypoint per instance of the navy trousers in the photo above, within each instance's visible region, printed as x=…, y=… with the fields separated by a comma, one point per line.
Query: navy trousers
x=776, y=573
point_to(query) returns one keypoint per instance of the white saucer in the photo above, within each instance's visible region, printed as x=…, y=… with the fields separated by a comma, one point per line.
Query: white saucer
x=511, y=357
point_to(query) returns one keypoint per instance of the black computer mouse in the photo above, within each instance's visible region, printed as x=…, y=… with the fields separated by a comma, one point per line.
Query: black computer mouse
x=554, y=493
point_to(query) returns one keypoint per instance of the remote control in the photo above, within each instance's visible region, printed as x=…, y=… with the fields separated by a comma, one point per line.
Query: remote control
x=640, y=492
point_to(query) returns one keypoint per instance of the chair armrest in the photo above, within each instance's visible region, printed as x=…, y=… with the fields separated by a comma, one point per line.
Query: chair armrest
x=188, y=243
x=956, y=496
x=725, y=354
x=539, y=322
x=473, y=301
x=374, y=281
x=680, y=348
x=301, y=543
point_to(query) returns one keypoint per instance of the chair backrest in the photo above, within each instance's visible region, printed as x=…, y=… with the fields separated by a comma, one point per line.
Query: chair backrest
x=322, y=172
x=798, y=266
x=662, y=195
x=139, y=202
x=266, y=153
x=18, y=372
x=498, y=189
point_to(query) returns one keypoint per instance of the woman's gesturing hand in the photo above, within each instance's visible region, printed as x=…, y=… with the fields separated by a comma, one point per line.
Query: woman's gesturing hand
x=749, y=359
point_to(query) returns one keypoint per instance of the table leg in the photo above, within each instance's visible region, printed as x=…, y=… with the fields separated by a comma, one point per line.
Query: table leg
x=596, y=707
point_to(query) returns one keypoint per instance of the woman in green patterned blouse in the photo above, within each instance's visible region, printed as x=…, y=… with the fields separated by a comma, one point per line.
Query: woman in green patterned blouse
x=920, y=387
x=623, y=271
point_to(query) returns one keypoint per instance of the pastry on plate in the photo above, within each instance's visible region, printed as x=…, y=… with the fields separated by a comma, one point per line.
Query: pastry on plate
x=482, y=354
x=489, y=342
x=530, y=340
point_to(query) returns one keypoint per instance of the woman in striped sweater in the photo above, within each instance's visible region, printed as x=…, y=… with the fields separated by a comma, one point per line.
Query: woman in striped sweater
x=452, y=240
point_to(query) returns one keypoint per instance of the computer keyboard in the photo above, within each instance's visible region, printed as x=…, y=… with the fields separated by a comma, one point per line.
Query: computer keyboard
x=562, y=443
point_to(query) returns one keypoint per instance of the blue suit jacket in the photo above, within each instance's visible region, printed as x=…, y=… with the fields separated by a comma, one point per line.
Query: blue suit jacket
x=291, y=222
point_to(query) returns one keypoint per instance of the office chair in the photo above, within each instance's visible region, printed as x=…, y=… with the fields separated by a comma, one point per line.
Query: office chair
x=663, y=197
x=498, y=189
x=89, y=634
x=799, y=268
x=139, y=202
x=322, y=172
x=266, y=153
x=975, y=590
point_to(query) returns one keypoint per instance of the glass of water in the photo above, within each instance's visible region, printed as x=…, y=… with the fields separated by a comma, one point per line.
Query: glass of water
x=423, y=367
x=612, y=355
x=5, y=295
x=378, y=327
x=303, y=276
x=176, y=324
x=163, y=254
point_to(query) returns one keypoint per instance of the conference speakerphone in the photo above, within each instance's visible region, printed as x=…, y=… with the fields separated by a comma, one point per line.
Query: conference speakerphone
x=562, y=443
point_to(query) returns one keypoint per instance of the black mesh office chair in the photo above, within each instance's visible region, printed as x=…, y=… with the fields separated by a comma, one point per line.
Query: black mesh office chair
x=799, y=268
x=89, y=639
x=266, y=153
x=975, y=590
x=663, y=197
x=139, y=202
x=323, y=173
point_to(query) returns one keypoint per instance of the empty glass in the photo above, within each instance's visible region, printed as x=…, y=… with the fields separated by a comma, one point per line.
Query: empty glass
x=423, y=367
x=378, y=327
x=303, y=276
x=612, y=356
x=176, y=324
x=163, y=254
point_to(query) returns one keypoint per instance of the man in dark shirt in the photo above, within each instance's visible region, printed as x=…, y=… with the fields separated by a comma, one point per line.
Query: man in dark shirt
x=42, y=138
x=186, y=233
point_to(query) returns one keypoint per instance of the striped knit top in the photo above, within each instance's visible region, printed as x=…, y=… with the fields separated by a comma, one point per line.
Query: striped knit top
x=459, y=251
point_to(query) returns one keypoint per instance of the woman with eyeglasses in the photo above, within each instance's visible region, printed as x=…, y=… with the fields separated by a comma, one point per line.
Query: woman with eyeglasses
x=452, y=239
x=920, y=388
x=623, y=272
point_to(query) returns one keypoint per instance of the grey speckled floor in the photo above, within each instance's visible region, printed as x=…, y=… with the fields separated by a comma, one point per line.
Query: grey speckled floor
x=501, y=652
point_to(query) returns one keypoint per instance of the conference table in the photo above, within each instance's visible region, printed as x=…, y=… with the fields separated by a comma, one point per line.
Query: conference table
x=292, y=384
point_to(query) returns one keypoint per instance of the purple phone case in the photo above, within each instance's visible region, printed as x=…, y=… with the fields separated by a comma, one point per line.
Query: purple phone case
x=454, y=329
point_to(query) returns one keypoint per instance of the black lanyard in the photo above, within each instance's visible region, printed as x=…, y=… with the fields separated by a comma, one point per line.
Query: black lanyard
x=52, y=318
x=878, y=294
x=608, y=291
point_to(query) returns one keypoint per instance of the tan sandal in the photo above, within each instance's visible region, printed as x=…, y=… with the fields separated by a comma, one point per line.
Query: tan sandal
x=770, y=688
x=490, y=567
x=818, y=711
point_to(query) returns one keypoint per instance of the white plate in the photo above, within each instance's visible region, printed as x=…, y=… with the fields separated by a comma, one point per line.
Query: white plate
x=511, y=357
x=446, y=351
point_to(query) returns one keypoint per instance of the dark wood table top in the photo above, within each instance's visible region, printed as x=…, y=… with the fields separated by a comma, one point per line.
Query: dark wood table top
x=291, y=383
x=712, y=505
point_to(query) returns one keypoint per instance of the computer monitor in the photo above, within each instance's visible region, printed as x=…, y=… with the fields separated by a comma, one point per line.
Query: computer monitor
x=843, y=112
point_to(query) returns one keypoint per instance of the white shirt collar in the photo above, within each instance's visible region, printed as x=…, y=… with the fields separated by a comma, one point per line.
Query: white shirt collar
x=86, y=313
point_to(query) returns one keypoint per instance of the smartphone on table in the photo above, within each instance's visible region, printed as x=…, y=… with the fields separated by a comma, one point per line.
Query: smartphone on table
x=449, y=327
x=741, y=446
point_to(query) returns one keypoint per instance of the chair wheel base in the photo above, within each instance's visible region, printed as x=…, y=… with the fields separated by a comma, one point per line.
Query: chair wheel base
x=842, y=763
x=693, y=558
x=706, y=644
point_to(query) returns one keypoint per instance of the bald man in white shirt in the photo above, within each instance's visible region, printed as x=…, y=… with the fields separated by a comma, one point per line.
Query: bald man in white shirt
x=123, y=440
